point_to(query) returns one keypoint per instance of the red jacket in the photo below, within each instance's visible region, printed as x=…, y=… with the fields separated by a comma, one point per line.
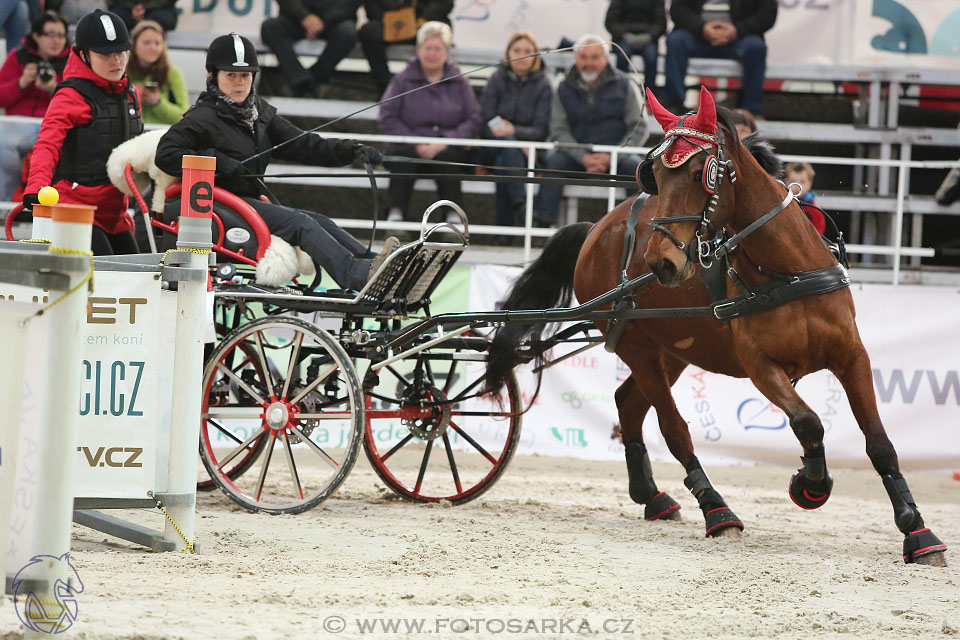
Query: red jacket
x=30, y=101
x=816, y=216
x=69, y=109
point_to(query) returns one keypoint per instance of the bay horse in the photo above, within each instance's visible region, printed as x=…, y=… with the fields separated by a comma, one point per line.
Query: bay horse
x=771, y=258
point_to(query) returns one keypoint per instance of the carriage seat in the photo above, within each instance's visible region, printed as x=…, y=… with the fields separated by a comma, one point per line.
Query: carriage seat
x=238, y=231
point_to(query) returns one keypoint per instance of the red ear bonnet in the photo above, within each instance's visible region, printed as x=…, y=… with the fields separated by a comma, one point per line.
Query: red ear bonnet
x=689, y=135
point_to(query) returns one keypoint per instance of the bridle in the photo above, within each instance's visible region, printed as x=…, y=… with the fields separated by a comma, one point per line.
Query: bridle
x=714, y=170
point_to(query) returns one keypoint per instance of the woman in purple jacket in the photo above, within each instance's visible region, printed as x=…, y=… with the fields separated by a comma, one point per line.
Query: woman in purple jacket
x=446, y=110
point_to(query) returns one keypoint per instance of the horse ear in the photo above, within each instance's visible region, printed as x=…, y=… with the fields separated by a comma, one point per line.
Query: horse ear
x=664, y=117
x=707, y=112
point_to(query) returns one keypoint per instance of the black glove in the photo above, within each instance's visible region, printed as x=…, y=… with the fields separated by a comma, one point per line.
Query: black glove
x=363, y=154
x=30, y=199
x=227, y=166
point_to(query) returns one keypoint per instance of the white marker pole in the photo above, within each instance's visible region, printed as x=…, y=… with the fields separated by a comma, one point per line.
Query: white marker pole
x=196, y=211
x=70, y=231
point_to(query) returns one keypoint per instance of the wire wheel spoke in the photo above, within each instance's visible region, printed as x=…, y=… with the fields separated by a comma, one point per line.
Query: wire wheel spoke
x=263, y=363
x=267, y=455
x=407, y=438
x=315, y=448
x=453, y=463
x=223, y=430
x=243, y=445
x=423, y=466
x=474, y=443
x=313, y=385
x=292, y=465
x=242, y=384
x=293, y=363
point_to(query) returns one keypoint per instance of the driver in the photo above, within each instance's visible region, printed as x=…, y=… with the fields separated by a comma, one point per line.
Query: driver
x=230, y=122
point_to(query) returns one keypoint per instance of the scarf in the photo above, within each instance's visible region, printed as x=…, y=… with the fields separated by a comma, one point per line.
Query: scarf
x=246, y=111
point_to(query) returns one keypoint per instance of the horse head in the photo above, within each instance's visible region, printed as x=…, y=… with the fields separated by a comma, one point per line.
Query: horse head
x=693, y=173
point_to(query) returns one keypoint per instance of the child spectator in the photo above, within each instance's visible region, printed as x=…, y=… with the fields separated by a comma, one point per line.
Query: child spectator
x=516, y=106
x=163, y=90
x=745, y=123
x=379, y=31
x=27, y=80
x=93, y=110
x=636, y=27
x=445, y=110
x=802, y=173
x=132, y=12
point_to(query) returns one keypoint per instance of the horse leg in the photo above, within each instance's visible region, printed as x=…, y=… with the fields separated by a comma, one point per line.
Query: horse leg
x=920, y=545
x=633, y=406
x=655, y=383
x=811, y=486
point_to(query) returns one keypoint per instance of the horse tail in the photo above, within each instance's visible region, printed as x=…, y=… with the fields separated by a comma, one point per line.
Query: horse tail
x=545, y=284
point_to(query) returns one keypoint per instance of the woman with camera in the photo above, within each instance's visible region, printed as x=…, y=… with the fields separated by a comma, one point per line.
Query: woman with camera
x=163, y=90
x=27, y=80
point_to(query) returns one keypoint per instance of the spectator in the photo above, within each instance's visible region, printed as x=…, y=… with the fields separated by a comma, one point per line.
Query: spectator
x=636, y=27
x=27, y=80
x=14, y=21
x=163, y=90
x=92, y=111
x=377, y=33
x=719, y=29
x=334, y=21
x=233, y=124
x=744, y=121
x=516, y=106
x=595, y=104
x=73, y=10
x=446, y=110
x=802, y=173
x=163, y=12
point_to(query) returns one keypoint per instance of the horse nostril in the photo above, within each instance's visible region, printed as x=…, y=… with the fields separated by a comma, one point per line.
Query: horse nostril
x=666, y=270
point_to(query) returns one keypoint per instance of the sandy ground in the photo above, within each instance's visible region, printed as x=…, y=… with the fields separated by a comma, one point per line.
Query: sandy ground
x=554, y=546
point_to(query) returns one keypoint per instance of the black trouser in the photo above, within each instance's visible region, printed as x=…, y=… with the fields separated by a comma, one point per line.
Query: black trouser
x=280, y=34
x=331, y=248
x=401, y=189
x=166, y=17
x=375, y=50
x=109, y=244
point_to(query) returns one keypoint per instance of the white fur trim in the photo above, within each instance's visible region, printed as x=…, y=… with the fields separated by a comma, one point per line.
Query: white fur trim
x=307, y=267
x=139, y=153
x=278, y=266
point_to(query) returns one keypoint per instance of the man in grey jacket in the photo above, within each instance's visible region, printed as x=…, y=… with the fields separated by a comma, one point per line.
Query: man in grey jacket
x=594, y=104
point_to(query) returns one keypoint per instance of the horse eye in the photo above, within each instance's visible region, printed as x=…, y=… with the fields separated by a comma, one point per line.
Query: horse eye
x=698, y=176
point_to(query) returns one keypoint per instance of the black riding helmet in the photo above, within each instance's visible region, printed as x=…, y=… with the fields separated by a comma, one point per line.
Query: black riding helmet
x=102, y=32
x=232, y=52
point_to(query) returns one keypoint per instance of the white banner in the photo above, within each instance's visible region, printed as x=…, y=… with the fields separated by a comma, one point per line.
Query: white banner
x=119, y=428
x=922, y=33
x=908, y=331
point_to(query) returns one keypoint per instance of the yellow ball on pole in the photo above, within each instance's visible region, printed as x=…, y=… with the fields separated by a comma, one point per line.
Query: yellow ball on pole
x=48, y=196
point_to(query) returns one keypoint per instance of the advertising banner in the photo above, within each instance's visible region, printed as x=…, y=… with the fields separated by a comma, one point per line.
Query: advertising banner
x=922, y=33
x=906, y=330
x=119, y=428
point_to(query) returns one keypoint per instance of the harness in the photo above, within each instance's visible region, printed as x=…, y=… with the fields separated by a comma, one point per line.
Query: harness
x=712, y=248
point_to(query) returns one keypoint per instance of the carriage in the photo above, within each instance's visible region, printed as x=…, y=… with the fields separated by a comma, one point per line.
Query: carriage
x=375, y=366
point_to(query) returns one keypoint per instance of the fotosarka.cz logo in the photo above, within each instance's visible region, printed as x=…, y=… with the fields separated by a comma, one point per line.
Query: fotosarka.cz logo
x=44, y=610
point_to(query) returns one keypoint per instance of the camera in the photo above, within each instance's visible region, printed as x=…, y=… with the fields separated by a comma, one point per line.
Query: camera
x=45, y=71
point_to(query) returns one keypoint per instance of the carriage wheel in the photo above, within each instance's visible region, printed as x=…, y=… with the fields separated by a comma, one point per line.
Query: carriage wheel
x=297, y=414
x=212, y=431
x=430, y=401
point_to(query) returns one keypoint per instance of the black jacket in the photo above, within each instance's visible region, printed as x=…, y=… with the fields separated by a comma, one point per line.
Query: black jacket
x=426, y=10
x=636, y=16
x=330, y=11
x=209, y=128
x=523, y=102
x=750, y=17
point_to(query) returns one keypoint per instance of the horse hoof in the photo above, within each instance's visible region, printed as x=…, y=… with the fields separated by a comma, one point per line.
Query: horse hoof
x=935, y=559
x=923, y=547
x=802, y=497
x=722, y=521
x=661, y=507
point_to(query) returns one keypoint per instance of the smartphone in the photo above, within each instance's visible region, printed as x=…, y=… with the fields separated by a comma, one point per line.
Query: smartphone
x=153, y=86
x=496, y=122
